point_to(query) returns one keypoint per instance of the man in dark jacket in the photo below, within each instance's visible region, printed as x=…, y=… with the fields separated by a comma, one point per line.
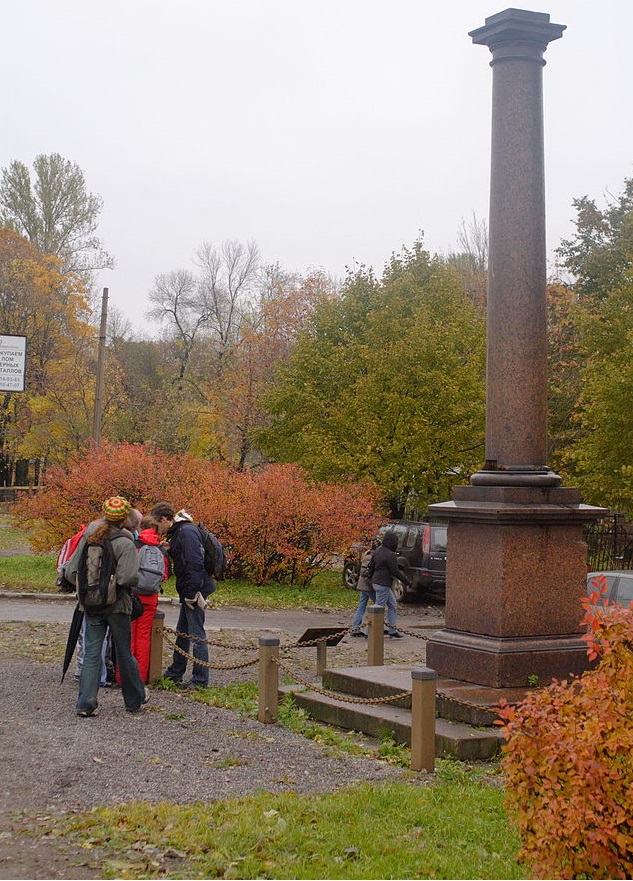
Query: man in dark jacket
x=194, y=584
x=385, y=570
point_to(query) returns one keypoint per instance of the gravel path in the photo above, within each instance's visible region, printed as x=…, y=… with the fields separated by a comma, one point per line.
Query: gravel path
x=176, y=750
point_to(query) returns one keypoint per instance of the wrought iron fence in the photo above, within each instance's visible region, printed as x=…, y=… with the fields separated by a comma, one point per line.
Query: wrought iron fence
x=609, y=543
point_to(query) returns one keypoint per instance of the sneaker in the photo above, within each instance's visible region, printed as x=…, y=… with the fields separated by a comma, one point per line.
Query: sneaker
x=357, y=633
x=395, y=634
x=146, y=696
x=86, y=714
x=191, y=684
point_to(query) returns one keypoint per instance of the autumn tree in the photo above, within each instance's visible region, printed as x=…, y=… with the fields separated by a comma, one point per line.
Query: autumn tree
x=598, y=381
x=54, y=210
x=386, y=384
x=566, y=363
x=229, y=282
x=267, y=336
x=470, y=259
x=601, y=458
x=600, y=254
x=51, y=310
x=276, y=522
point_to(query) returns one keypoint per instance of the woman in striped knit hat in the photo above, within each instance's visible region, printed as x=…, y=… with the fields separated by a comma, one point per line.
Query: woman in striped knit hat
x=116, y=616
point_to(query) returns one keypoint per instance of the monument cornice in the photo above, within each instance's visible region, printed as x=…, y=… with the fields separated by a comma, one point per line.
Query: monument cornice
x=517, y=26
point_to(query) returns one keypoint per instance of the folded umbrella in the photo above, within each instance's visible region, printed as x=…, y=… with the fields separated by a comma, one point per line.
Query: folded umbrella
x=73, y=635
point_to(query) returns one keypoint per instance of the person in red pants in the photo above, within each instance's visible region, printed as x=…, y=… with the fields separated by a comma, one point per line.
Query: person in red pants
x=153, y=569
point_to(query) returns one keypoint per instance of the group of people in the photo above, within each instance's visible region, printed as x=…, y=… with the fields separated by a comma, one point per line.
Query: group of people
x=378, y=568
x=181, y=544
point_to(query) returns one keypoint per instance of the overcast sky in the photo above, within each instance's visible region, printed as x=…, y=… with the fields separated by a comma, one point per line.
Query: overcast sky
x=329, y=131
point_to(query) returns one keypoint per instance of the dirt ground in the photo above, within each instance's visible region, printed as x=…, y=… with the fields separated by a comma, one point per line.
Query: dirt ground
x=178, y=750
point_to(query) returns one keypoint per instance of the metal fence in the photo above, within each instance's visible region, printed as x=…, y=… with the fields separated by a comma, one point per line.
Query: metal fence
x=609, y=543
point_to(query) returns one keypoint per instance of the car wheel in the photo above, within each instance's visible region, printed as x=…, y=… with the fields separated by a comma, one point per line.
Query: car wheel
x=350, y=576
x=401, y=593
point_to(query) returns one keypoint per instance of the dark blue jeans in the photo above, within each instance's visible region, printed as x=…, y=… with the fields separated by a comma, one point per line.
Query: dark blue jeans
x=131, y=685
x=190, y=623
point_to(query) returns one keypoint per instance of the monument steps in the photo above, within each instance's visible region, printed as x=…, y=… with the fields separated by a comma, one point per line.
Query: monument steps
x=473, y=740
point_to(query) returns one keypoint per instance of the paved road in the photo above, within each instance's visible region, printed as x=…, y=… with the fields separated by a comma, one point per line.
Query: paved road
x=52, y=608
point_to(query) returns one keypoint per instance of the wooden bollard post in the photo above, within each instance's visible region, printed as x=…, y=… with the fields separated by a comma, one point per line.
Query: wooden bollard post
x=376, y=636
x=268, y=686
x=156, y=646
x=321, y=657
x=423, y=719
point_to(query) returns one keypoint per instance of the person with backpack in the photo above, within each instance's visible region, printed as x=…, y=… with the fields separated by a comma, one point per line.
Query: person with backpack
x=104, y=568
x=194, y=584
x=153, y=569
x=366, y=589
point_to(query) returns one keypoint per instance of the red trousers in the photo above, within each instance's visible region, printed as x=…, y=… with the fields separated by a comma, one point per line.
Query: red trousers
x=142, y=635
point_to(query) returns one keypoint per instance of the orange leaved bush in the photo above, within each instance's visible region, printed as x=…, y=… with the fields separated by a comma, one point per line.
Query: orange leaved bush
x=275, y=522
x=568, y=760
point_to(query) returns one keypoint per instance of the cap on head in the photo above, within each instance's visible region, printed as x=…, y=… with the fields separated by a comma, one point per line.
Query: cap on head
x=116, y=508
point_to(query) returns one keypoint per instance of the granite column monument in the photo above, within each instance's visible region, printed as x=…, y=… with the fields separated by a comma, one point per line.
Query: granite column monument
x=516, y=560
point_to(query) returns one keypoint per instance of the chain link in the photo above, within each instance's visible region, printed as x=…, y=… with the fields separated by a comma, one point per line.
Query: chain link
x=411, y=633
x=456, y=700
x=200, y=663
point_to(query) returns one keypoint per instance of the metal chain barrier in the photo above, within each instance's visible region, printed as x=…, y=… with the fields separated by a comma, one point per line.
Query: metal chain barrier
x=197, y=661
x=411, y=633
x=288, y=645
x=463, y=703
x=301, y=645
x=215, y=642
x=337, y=695
x=295, y=676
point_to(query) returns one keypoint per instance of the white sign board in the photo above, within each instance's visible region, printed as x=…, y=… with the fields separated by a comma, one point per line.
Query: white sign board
x=12, y=363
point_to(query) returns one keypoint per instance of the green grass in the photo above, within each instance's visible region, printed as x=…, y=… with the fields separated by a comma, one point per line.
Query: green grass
x=453, y=827
x=36, y=573
x=26, y=572
x=13, y=540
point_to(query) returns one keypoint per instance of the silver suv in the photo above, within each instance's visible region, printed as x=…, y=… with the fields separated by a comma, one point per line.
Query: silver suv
x=421, y=556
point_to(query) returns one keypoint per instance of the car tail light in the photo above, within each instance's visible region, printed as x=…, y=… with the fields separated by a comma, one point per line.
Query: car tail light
x=425, y=540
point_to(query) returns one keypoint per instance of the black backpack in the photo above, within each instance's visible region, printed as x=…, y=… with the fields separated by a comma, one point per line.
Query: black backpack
x=96, y=575
x=214, y=556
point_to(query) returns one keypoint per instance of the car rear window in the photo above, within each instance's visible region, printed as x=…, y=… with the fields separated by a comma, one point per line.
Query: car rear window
x=438, y=540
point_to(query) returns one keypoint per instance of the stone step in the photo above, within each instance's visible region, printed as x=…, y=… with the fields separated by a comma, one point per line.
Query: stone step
x=456, y=701
x=454, y=739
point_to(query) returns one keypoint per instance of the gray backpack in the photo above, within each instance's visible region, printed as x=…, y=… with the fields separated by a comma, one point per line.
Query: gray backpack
x=151, y=569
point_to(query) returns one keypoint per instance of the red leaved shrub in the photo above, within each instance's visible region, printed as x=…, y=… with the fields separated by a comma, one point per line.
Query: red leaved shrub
x=568, y=761
x=275, y=522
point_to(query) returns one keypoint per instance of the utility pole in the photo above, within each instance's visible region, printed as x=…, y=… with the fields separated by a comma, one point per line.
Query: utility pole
x=98, y=410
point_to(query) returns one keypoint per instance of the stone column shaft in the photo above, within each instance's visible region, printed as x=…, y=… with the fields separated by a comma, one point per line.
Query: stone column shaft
x=516, y=381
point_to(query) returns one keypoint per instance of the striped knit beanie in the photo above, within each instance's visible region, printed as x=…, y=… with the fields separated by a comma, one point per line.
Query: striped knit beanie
x=116, y=508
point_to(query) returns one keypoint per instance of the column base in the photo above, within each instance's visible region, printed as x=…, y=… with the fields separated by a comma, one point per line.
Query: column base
x=505, y=662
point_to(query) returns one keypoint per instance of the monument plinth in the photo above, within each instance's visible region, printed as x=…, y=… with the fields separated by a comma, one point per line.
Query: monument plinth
x=516, y=560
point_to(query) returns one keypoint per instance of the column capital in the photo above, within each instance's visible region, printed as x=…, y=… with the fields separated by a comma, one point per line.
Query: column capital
x=517, y=26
